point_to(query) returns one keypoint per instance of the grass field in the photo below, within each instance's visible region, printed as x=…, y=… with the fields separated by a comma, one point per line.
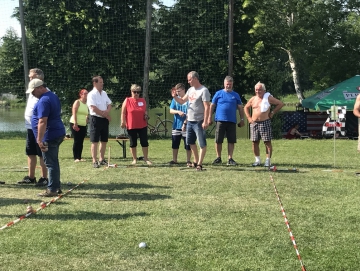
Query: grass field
x=224, y=218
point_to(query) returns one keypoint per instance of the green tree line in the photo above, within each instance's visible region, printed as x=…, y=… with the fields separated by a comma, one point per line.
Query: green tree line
x=290, y=45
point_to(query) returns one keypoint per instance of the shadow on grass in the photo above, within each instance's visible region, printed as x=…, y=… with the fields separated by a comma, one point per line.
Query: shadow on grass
x=122, y=197
x=88, y=216
x=118, y=186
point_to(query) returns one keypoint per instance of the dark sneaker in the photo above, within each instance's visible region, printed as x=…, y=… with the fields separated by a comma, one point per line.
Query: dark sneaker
x=42, y=182
x=48, y=193
x=59, y=191
x=103, y=163
x=172, y=162
x=256, y=164
x=96, y=164
x=27, y=180
x=217, y=161
x=231, y=162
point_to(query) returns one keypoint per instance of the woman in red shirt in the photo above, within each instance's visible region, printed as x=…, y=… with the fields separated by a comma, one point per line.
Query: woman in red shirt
x=134, y=118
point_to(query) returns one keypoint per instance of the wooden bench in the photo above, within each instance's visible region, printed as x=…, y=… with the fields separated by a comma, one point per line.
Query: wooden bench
x=119, y=139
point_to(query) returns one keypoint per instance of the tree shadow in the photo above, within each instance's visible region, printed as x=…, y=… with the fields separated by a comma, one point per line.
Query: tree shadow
x=118, y=186
x=122, y=197
x=83, y=215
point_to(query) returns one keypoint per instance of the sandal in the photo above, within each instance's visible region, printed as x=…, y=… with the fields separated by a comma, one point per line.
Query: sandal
x=172, y=162
x=194, y=165
x=188, y=164
x=199, y=168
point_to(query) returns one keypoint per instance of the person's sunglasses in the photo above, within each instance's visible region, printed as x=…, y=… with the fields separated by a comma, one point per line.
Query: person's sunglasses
x=136, y=92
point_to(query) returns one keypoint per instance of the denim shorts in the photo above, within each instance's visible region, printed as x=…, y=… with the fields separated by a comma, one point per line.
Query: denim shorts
x=194, y=130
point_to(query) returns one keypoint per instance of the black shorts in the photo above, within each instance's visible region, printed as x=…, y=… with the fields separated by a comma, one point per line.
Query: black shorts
x=99, y=129
x=142, y=133
x=32, y=148
x=225, y=128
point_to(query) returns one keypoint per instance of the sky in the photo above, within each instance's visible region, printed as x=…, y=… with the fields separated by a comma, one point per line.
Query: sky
x=8, y=7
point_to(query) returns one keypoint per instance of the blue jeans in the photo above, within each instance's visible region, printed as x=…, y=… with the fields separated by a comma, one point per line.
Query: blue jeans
x=51, y=159
x=194, y=130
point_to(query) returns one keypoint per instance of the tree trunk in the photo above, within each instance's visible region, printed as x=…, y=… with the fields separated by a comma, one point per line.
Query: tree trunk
x=295, y=75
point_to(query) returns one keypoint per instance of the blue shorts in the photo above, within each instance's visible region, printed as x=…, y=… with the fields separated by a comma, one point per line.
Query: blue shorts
x=194, y=130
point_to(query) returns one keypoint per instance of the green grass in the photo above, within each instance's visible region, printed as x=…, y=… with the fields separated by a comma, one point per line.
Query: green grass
x=224, y=218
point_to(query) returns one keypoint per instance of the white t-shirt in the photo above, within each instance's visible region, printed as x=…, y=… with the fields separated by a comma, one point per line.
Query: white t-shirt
x=100, y=100
x=30, y=104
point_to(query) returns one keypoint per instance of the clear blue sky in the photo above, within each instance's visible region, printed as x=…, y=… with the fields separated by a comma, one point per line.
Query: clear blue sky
x=7, y=8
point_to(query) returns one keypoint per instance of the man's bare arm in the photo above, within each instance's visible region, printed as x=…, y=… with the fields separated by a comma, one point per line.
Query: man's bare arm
x=356, y=110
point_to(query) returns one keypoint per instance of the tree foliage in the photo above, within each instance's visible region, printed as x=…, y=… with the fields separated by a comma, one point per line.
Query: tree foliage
x=312, y=43
x=12, y=72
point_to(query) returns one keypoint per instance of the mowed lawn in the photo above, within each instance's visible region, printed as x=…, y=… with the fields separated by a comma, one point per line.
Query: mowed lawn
x=223, y=218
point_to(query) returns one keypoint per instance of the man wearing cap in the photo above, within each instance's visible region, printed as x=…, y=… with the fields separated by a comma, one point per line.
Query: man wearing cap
x=49, y=132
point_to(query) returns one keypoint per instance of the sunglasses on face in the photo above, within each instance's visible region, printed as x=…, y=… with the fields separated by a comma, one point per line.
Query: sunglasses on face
x=136, y=92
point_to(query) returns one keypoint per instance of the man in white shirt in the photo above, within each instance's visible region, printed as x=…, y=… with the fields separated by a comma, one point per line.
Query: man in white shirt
x=32, y=148
x=99, y=106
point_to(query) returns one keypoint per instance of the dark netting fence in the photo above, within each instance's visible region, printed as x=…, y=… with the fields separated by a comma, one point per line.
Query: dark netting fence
x=126, y=42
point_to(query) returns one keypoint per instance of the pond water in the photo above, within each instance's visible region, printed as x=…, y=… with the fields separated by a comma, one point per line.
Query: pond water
x=13, y=120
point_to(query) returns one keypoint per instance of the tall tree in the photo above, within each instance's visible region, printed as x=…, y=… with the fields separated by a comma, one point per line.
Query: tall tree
x=11, y=71
x=76, y=39
x=191, y=37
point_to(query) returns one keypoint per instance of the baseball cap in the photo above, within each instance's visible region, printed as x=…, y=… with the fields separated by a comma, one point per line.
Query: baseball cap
x=34, y=84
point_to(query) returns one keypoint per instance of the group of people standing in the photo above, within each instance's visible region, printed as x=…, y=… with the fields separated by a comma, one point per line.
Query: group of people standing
x=192, y=111
x=193, y=114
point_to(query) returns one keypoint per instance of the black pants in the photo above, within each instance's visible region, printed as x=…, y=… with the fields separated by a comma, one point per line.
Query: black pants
x=78, y=140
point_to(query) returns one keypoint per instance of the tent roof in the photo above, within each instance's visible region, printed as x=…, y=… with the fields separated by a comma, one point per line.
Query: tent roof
x=342, y=94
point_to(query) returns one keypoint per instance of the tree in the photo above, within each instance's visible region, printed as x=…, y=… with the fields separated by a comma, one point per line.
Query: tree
x=12, y=71
x=77, y=39
x=191, y=37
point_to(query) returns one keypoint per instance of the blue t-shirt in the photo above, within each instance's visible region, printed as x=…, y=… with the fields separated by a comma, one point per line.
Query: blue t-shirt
x=178, y=121
x=48, y=106
x=226, y=105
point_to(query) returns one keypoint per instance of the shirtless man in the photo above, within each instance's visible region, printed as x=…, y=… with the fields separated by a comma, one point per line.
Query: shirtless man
x=260, y=121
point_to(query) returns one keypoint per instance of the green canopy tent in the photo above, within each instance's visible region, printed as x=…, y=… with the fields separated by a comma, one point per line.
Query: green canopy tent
x=342, y=94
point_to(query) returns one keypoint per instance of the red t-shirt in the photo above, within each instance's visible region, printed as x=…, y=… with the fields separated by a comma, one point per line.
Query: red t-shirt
x=135, y=113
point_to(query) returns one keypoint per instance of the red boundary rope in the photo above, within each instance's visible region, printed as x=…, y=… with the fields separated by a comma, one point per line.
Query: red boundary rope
x=288, y=225
x=43, y=206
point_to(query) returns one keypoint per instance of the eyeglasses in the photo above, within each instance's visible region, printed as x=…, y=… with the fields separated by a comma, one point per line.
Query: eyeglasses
x=136, y=92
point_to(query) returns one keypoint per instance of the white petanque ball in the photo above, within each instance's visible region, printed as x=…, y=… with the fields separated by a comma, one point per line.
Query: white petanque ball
x=142, y=245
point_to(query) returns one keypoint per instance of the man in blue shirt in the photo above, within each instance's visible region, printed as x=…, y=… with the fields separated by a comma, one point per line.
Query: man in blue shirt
x=49, y=132
x=227, y=102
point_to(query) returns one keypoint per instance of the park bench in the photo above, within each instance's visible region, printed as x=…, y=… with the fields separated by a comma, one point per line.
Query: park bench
x=120, y=139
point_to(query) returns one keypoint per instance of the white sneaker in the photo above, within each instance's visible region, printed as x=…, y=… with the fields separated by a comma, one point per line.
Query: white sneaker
x=267, y=163
x=256, y=164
